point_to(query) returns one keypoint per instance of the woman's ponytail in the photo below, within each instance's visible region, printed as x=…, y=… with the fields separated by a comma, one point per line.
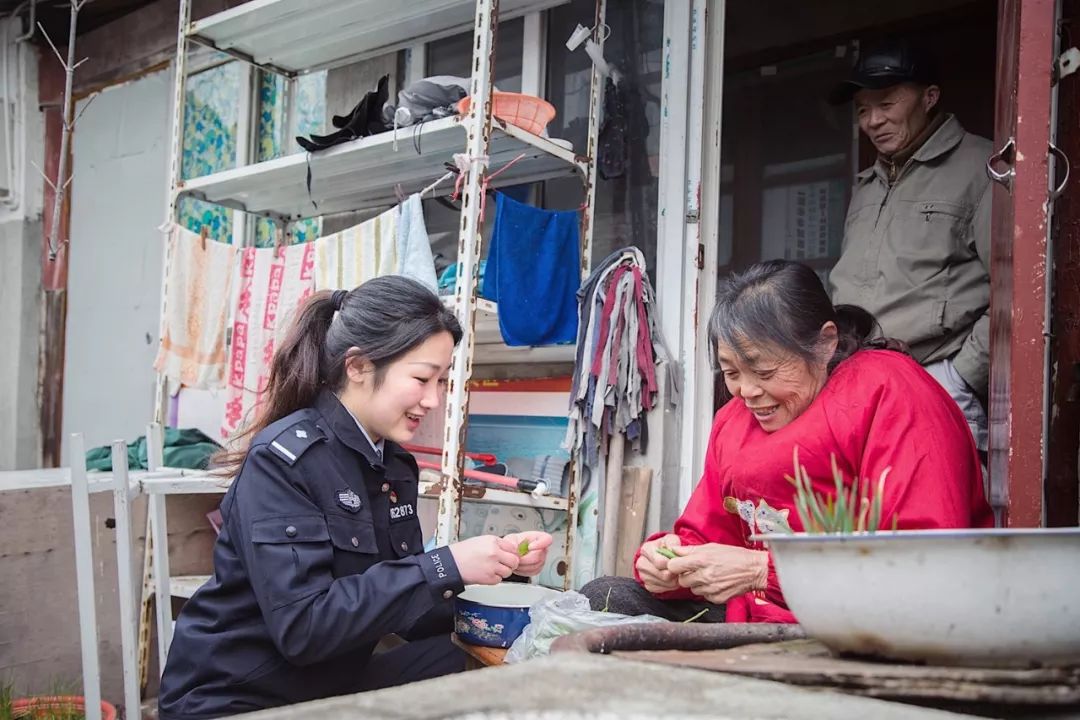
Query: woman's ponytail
x=296, y=374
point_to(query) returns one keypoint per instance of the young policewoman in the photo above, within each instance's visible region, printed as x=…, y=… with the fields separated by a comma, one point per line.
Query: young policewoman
x=321, y=553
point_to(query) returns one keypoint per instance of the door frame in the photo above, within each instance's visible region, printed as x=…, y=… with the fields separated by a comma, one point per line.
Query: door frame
x=1019, y=318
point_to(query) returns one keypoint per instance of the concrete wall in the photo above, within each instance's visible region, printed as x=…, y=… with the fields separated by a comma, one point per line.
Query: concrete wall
x=20, y=290
x=20, y=266
x=121, y=164
x=39, y=619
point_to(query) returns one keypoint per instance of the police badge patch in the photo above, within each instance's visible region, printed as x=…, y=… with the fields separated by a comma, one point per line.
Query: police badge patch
x=348, y=500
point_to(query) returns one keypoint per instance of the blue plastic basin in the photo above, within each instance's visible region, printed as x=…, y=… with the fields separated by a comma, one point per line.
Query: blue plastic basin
x=494, y=615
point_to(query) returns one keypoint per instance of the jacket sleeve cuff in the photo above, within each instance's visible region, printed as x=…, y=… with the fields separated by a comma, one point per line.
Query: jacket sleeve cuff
x=441, y=573
x=974, y=369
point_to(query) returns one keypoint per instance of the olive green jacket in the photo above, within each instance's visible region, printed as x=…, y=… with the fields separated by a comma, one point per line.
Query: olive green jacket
x=917, y=254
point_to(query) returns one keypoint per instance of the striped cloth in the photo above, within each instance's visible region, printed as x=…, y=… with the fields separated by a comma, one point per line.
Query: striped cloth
x=355, y=255
x=197, y=292
x=272, y=287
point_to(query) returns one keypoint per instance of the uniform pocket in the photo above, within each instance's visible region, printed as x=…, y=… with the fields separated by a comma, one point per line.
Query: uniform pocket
x=355, y=548
x=291, y=557
x=406, y=537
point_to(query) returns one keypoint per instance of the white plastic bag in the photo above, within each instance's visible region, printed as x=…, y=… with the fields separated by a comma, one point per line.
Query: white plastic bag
x=566, y=613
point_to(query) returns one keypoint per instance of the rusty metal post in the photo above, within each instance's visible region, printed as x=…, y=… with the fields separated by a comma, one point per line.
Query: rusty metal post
x=478, y=129
x=176, y=154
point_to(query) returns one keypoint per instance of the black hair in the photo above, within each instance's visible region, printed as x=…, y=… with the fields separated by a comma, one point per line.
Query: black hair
x=379, y=321
x=784, y=304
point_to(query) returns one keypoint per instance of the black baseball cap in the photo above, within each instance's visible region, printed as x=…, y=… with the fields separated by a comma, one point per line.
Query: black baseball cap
x=883, y=65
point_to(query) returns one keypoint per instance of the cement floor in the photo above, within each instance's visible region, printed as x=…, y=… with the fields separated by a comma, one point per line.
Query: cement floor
x=595, y=687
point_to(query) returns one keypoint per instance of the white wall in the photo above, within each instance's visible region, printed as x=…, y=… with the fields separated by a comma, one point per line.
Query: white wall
x=20, y=251
x=120, y=165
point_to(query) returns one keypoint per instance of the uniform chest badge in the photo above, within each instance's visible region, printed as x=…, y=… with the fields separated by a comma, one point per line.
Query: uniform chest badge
x=348, y=500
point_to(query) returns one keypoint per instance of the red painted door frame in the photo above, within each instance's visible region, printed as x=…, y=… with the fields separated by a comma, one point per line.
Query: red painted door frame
x=1018, y=376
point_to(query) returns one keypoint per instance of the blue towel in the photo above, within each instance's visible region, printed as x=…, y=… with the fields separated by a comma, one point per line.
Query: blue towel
x=533, y=272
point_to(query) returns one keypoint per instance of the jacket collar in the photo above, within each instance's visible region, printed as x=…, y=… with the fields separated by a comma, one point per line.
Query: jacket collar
x=947, y=137
x=348, y=431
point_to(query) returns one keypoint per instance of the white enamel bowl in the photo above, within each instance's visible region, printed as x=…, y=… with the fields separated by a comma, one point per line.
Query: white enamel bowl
x=986, y=598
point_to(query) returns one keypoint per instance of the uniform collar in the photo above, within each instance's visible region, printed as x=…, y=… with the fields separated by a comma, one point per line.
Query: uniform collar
x=350, y=432
x=947, y=137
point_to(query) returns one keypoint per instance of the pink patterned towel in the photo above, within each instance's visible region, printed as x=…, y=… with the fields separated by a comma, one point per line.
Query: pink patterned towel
x=271, y=289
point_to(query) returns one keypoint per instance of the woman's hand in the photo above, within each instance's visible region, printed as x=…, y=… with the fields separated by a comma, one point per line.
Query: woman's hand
x=653, y=567
x=485, y=560
x=532, y=562
x=720, y=572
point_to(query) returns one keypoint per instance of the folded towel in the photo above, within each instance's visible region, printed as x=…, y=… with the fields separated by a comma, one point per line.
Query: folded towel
x=272, y=286
x=414, y=245
x=357, y=254
x=197, y=293
x=533, y=273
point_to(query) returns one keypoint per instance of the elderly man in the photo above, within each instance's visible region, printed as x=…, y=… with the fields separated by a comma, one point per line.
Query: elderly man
x=916, y=249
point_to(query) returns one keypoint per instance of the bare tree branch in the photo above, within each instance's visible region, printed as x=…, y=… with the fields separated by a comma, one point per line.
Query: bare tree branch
x=62, y=179
x=88, y=103
x=45, y=177
x=52, y=45
x=80, y=63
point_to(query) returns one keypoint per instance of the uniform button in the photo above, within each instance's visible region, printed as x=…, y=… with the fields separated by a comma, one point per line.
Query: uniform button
x=448, y=594
x=291, y=531
x=355, y=542
x=385, y=487
x=404, y=545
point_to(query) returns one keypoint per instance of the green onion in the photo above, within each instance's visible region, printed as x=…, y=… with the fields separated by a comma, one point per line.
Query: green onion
x=690, y=620
x=849, y=509
x=523, y=548
x=666, y=552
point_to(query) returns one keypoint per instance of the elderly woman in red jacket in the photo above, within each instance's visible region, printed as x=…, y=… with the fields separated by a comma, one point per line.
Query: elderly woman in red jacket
x=808, y=376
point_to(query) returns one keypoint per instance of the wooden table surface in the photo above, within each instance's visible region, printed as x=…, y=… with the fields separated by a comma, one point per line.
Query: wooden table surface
x=479, y=656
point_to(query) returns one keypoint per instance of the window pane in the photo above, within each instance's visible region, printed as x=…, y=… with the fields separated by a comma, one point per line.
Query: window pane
x=626, y=205
x=453, y=55
x=210, y=123
x=275, y=140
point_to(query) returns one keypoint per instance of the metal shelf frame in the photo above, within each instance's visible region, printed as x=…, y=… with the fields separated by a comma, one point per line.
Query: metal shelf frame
x=296, y=36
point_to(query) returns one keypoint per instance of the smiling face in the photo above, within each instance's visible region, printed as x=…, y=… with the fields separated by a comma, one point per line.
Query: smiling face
x=893, y=117
x=412, y=386
x=776, y=387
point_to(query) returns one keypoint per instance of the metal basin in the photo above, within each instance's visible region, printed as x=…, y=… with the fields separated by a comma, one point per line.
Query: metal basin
x=984, y=598
x=494, y=615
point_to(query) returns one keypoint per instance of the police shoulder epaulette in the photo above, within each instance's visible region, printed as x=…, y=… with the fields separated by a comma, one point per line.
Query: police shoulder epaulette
x=295, y=440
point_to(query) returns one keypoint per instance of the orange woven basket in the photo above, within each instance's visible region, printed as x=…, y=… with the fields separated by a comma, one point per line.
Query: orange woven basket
x=527, y=112
x=37, y=707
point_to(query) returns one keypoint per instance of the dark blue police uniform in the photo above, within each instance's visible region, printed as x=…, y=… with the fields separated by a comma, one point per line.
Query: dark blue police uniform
x=320, y=555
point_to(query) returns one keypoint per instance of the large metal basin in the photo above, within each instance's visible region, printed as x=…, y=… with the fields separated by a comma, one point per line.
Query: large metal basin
x=956, y=597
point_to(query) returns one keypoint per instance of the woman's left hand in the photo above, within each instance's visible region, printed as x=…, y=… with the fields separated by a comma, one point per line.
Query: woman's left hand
x=720, y=572
x=533, y=561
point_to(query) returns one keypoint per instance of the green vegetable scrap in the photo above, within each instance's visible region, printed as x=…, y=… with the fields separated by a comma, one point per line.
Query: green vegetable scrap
x=692, y=619
x=666, y=552
x=523, y=548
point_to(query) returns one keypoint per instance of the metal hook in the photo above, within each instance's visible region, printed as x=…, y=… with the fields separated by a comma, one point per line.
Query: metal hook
x=1005, y=154
x=1064, y=159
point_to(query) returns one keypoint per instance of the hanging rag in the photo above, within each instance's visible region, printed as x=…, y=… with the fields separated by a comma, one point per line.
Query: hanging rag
x=357, y=254
x=532, y=272
x=613, y=148
x=187, y=448
x=414, y=245
x=619, y=346
x=273, y=283
x=197, y=292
